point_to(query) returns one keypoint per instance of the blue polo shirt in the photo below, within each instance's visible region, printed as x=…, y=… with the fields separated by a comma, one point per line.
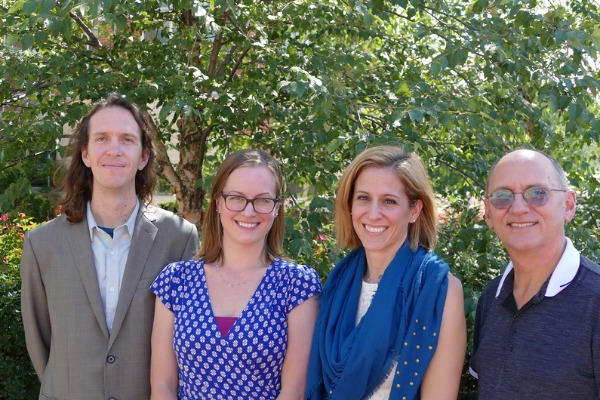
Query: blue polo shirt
x=550, y=348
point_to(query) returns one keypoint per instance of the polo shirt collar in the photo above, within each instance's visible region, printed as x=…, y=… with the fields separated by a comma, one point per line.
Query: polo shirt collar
x=130, y=224
x=561, y=277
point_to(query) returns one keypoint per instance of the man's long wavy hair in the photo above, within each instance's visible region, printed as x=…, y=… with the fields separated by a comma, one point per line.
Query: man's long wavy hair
x=212, y=232
x=75, y=180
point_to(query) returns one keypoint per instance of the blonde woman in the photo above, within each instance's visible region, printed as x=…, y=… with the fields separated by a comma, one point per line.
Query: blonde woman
x=391, y=323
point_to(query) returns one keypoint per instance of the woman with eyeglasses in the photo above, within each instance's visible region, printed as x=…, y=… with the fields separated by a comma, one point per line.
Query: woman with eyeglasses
x=391, y=322
x=237, y=321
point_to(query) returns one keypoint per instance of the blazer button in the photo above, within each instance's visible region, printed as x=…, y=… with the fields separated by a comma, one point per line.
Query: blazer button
x=111, y=359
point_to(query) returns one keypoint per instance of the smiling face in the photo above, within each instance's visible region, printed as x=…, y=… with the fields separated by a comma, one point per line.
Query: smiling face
x=247, y=227
x=114, y=150
x=381, y=211
x=522, y=228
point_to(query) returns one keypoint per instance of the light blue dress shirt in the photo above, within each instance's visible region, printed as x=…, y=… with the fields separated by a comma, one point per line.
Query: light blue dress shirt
x=110, y=258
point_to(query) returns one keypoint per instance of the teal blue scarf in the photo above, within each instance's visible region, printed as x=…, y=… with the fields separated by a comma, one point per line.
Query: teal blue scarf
x=402, y=324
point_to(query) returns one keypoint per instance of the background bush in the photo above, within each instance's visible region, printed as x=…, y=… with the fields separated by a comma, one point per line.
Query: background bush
x=314, y=83
x=17, y=377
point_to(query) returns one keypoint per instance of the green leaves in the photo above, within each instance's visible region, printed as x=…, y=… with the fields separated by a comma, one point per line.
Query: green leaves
x=314, y=83
x=18, y=380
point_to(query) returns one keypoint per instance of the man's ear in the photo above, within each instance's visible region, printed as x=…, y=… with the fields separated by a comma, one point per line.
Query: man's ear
x=85, y=156
x=486, y=214
x=570, y=205
x=144, y=159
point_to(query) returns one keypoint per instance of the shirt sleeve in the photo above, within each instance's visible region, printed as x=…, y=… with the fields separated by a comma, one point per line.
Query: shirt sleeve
x=304, y=283
x=166, y=284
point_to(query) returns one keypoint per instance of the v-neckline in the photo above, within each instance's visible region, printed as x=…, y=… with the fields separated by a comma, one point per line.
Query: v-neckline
x=244, y=311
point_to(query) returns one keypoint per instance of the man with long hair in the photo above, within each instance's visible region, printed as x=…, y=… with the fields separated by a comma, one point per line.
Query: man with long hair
x=87, y=310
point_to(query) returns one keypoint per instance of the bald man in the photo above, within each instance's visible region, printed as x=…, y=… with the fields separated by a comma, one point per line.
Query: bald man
x=537, y=329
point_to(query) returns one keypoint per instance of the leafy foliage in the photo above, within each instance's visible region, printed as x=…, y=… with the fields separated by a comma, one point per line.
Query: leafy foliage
x=459, y=82
x=17, y=377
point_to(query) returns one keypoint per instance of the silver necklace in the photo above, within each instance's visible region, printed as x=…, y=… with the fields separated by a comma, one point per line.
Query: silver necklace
x=368, y=280
x=234, y=284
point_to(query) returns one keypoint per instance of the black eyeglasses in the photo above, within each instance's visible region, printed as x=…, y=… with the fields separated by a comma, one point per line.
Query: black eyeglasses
x=534, y=196
x=262, y=205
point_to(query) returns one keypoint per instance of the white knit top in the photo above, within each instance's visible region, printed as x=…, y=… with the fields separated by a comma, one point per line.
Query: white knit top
x=367, y=291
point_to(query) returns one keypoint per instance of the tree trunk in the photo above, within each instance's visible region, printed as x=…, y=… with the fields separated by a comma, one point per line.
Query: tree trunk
x=184, y=178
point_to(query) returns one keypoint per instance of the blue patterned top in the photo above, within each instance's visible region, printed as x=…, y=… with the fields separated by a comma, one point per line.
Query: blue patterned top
x=245, y=364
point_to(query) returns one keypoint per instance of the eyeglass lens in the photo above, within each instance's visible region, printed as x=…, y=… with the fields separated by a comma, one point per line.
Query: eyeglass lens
x=238, y=203
x=535, y=197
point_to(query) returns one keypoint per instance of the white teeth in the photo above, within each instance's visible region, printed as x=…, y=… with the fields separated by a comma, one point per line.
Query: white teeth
x=373, y=229
x=522, y=224
x=247, y=225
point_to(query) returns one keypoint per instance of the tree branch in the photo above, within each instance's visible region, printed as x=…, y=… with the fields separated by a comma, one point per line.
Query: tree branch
x=464, y=174
x=22, y=93
x=214, y=54
x=22, y=159
x=93, y=40
x=237, y=64
x=163, y=163
x=225, y=61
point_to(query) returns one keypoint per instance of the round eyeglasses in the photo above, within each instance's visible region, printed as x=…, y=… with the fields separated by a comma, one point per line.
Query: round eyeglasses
x=262, y=205
x=534, y=197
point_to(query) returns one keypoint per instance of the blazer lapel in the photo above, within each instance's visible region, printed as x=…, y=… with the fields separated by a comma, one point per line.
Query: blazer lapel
x=141, y=244
x=81, y=250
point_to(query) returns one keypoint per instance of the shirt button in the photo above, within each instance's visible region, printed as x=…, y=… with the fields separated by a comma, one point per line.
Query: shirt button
x=111, y=398
x=111, y=359
x=112, y=288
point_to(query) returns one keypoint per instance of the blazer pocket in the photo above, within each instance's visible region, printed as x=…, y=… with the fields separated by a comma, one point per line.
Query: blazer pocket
x=45, y=397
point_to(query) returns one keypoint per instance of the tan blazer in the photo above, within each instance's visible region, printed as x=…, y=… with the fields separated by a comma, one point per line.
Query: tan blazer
x=65, y=327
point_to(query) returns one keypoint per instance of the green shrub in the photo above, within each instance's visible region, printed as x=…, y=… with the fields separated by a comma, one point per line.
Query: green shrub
x=17, y=377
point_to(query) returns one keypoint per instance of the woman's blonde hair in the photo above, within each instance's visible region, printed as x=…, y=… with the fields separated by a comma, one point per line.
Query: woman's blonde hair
x=413, y=175
x=211, y=248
